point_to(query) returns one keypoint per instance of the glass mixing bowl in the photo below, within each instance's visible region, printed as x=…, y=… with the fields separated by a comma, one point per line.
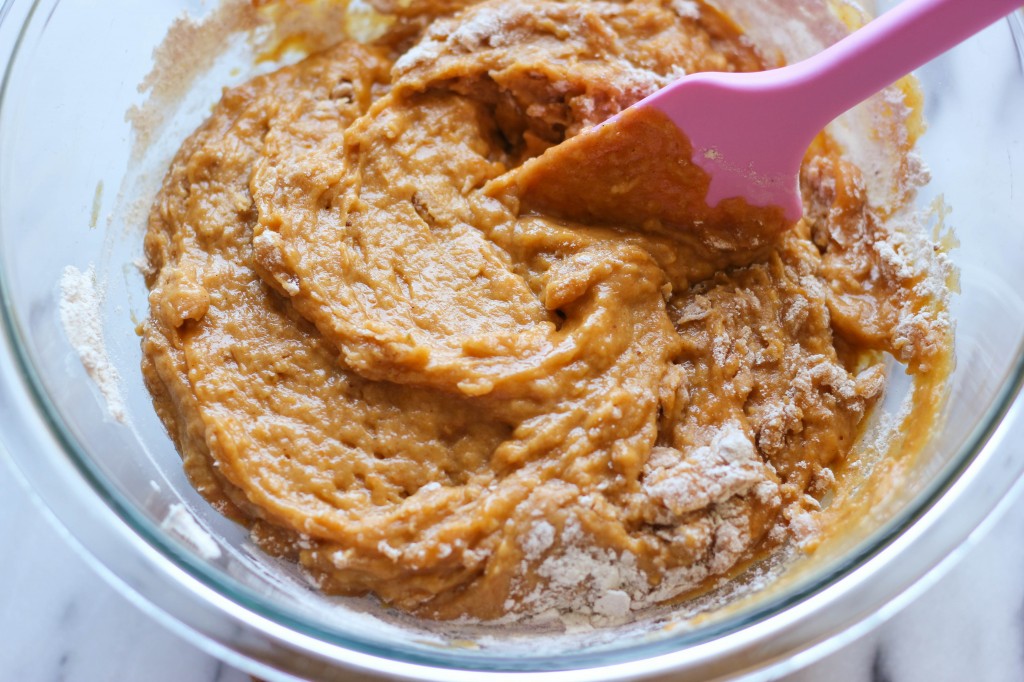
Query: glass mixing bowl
x=74, y=190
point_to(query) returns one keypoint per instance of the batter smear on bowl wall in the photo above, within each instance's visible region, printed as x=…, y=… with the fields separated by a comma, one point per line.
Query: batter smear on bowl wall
x=370, y=354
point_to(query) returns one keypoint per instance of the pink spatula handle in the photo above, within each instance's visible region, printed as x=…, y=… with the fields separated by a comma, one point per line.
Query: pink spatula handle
x=901, y=40
x=749, y=131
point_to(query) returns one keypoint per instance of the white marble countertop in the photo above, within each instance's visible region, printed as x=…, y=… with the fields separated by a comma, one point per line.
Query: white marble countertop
x=60, y=621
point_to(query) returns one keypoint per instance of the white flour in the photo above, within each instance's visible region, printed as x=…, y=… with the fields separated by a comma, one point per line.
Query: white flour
x=180, y=523
x=81, y=301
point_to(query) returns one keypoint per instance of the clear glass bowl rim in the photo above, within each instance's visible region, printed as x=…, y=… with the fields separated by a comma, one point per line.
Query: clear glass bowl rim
x=154, y=537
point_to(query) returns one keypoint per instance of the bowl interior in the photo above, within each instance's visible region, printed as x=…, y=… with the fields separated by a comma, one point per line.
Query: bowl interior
x=76, y=179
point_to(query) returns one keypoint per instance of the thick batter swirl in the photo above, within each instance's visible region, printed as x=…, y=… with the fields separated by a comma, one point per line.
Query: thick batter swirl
x=415, y=389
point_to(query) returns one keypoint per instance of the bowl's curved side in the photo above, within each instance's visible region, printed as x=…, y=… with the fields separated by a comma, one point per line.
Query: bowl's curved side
x=199, y=601
x=788, y=640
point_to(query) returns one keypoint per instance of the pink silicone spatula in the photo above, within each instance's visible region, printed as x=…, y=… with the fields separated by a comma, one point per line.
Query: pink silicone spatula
x=749, y=131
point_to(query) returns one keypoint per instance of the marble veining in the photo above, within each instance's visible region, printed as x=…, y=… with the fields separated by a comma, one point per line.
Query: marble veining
x=879, y=669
